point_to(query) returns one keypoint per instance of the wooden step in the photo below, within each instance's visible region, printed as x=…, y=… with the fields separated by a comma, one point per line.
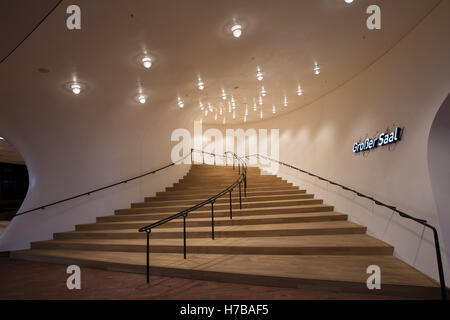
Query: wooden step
x=339, y=273
x=225, y=199
x=205, y=195
x=206, y=212
x=194, y=221
x=222, y=206
x=275, y=230
x=309, y=245
x=216, y=190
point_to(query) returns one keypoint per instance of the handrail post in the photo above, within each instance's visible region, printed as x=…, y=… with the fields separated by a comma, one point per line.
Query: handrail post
x=245, y=184
x=184, y=235
x=148, y=255
x=212, y=219
x=231, y=207
x=192, y=151
x=439, y=263
x=240, y=196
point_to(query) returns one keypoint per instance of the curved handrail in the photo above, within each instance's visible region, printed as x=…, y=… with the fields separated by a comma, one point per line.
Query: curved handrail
x=393, y=208
x=242, y=178
x=102, y=188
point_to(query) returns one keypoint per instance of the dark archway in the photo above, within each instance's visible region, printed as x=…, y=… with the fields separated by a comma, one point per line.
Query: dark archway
x=439, y=168
x=13, y=182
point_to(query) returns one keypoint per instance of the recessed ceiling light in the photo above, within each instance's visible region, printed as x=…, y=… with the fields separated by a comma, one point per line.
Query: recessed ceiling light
x=263, y=91
x=1, y=138
x=316, y=69
x=180, y=103
x=76, y=88
x=349, y=1
x=200, y=84
x=259, y=74
x=236, y=30
x=147, y=62
x=142, y=99
x=299, y=91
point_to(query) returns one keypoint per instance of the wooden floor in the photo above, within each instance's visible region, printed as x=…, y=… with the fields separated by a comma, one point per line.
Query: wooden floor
x=282, y=237
x=31, y=280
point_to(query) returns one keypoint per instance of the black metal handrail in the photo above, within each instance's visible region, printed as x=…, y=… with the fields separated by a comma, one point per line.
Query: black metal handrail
x=393, y=208
x=102, y=188
x=241, y=179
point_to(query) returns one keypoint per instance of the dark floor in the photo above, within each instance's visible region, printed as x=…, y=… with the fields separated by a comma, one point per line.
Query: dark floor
x=32, y=280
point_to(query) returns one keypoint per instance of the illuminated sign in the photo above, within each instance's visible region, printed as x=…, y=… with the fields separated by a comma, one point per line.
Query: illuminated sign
x=383, y=139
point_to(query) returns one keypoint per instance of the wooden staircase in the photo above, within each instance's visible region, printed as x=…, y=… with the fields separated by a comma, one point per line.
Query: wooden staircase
x=282, y=236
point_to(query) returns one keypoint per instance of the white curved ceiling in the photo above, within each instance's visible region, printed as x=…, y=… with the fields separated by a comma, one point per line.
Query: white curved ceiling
x=187, y=38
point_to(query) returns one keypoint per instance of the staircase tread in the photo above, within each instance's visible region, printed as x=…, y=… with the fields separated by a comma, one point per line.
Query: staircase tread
x=234, y=198
x=244, y=202
x=204, y=209
x=278, y=226
x=356, y=240
x=332, y=268
x=235, y=217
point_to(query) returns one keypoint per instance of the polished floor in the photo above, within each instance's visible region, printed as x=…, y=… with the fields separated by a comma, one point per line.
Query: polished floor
x=32, y=280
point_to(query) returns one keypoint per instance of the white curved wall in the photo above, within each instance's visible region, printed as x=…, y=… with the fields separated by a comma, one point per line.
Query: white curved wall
x=405, y=87
x=85, y=154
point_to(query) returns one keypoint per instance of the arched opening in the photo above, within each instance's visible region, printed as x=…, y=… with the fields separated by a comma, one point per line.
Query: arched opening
x=13, y=182
x=439, y=167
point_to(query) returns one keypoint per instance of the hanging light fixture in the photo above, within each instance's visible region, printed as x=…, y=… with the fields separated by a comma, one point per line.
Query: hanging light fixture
x=246, y=110
x=261, y=114
x=229, y=106
x=254, y=105
x=234, y=114
x=299, y=91
x=285, y=102
x=260, y=100
x=220, y=110
x=201, y=105
x=259, y=74
x=215, y=117
x=233, y=103
x=210, y=107
x=274, y=109
x=245, y=118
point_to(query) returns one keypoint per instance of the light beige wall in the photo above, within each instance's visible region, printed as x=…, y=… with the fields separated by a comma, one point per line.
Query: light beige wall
x=405, y=88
